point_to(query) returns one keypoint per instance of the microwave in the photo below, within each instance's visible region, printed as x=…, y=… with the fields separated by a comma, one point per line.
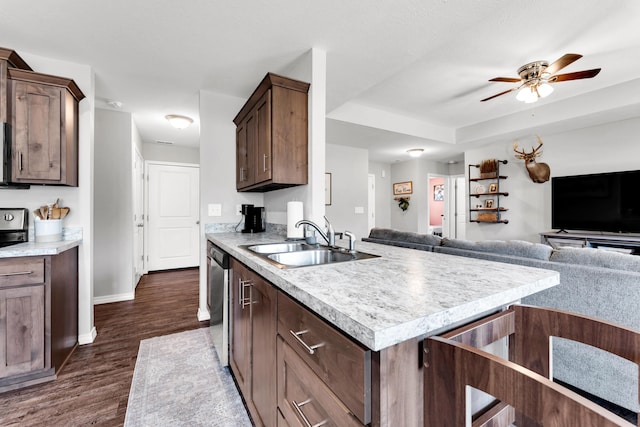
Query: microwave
x=5, y=161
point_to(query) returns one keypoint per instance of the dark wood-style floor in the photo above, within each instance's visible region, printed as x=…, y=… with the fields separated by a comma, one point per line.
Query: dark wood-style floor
x=93, y=388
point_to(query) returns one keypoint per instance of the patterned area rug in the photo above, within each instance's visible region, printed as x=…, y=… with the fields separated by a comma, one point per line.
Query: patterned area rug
x=178, y=381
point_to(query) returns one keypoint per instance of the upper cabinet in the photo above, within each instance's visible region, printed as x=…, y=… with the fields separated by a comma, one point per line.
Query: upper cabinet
x=42, y=111
x=272, y=136
x=44, y=117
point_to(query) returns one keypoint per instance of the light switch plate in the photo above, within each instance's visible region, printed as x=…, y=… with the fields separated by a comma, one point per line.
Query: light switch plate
x=359, y=210
x=214, y=209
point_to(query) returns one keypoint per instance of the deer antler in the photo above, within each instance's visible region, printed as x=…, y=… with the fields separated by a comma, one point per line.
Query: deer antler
x=524, y=155
x=521, y=154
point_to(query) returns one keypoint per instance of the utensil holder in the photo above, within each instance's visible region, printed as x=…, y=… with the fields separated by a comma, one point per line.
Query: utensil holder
x=49, y=230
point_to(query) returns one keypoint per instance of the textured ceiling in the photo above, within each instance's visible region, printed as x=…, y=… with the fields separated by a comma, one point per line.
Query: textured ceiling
x=400, y=74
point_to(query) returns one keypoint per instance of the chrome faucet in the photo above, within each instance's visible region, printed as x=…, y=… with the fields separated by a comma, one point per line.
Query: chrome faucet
x=330, y=237
x=352, y=241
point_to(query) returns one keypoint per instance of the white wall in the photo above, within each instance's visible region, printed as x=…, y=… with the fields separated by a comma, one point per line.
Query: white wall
x=349, y=168
x=384, y=193
x=113, y=204
x=79, y=199
x=170, y=153
x=603, y=148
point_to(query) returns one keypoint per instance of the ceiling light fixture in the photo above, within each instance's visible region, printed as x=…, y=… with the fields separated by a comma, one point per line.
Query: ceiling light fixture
x=179, y=122
x=415, y=152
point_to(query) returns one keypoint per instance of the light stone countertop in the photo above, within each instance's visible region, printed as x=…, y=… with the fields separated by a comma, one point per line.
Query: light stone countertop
x=36, y=249
x=404, y=294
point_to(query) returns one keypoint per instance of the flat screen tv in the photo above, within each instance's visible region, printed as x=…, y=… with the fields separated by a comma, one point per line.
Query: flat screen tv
x=607, y=202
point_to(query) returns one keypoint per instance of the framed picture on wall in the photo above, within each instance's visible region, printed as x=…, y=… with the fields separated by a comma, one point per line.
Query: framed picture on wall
x=438, y=192
x=488, y=204
x=493, y=188
x=327, y=189
x=400, y=188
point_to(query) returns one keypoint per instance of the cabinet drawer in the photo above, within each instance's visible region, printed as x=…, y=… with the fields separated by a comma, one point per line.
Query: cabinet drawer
x=343, y=365
x=21, y=271
x=303, y=398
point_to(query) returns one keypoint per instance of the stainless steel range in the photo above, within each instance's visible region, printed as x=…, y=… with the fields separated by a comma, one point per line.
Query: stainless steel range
x=14, y=224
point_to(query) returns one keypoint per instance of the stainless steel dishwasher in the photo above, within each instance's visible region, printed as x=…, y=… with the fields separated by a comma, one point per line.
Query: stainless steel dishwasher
x=217, y=299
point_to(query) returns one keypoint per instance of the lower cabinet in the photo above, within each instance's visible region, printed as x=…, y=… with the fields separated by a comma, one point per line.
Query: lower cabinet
x=38, y=317
x=253, y=342
x=292, y=367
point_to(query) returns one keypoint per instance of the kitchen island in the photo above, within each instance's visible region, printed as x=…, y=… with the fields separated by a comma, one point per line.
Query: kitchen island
x=386, y=305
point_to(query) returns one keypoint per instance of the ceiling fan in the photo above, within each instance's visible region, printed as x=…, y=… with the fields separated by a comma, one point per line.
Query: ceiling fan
x=535, y=78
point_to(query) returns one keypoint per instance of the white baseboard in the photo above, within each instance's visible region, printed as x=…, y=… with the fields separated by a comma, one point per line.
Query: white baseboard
x=113, y=298
x=203, y=315
x=88, y=338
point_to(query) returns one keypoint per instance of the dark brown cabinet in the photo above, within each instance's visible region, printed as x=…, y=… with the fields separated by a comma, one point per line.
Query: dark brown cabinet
x=44, y=118
x=253, y=342
x=272, y=136
x=38, y=317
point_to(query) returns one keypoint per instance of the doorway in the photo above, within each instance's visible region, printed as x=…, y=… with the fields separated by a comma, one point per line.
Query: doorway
x=138, y=216
x=447, y=206
x=173, y=215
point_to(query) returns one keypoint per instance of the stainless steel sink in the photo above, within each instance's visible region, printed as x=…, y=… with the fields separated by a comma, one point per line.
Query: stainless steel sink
x=315, y=257
x=291, y=255
x=272, y=248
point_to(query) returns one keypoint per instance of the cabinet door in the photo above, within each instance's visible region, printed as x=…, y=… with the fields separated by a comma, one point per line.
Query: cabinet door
x=37, y=142
x=22, y=343
x=263, y=345
x=240, y=349
x=245, y=134
x=263, y=141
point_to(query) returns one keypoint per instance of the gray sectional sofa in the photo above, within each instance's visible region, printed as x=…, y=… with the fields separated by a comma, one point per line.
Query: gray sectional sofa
x=593, y=282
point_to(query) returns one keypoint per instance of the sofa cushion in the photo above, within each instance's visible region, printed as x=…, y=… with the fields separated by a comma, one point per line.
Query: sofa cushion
x=597, y=258
x=404, y=236
x=518, y=248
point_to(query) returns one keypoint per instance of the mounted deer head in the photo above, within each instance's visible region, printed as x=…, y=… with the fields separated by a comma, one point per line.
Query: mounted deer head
x=538, y=172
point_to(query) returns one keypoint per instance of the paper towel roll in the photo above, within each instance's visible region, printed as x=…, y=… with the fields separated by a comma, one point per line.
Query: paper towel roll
x=294, y=214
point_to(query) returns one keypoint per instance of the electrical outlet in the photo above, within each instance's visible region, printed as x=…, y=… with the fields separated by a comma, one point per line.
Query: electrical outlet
x=238, y=210
x=359, y=210
x=214, y=209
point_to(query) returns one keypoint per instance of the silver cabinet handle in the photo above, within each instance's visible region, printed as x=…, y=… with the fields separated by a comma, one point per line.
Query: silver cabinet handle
x=241, y=174
x=242, y=287
x=264, y=162
x=311, y=349
x=298, y=408
x=17, y=273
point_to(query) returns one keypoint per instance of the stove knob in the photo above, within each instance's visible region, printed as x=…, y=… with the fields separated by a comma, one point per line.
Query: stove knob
x=8, y=217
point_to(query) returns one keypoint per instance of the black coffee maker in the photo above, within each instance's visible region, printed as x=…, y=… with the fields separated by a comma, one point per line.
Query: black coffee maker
x=254, y=219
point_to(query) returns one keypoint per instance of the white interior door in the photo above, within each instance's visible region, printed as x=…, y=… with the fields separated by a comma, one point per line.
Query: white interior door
x=460, y=207
x=138, y=216
x=371, y=210
x=174, y=216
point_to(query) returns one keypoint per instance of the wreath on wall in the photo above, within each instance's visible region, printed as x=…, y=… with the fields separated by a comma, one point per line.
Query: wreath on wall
x=403, y=203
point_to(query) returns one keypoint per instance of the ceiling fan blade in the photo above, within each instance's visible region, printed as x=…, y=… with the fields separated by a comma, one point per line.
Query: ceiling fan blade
x=506, y=79
x=586, y=74
x=498, y=94
x=562, y=62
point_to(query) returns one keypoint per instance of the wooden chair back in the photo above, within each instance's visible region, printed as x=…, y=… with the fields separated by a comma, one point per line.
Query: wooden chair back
x=521, y=385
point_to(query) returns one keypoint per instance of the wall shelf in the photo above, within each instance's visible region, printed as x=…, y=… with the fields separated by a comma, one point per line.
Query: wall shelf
x=485, y=195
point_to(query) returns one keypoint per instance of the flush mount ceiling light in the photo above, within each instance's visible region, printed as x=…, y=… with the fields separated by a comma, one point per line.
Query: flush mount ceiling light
x=415, y=152
x=179, y=122
x=536, y=78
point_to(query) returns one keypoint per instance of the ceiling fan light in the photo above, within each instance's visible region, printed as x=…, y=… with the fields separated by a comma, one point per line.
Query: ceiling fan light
x=523, y=94
x=545, y=90
x=179, y=122
x=533, y=97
